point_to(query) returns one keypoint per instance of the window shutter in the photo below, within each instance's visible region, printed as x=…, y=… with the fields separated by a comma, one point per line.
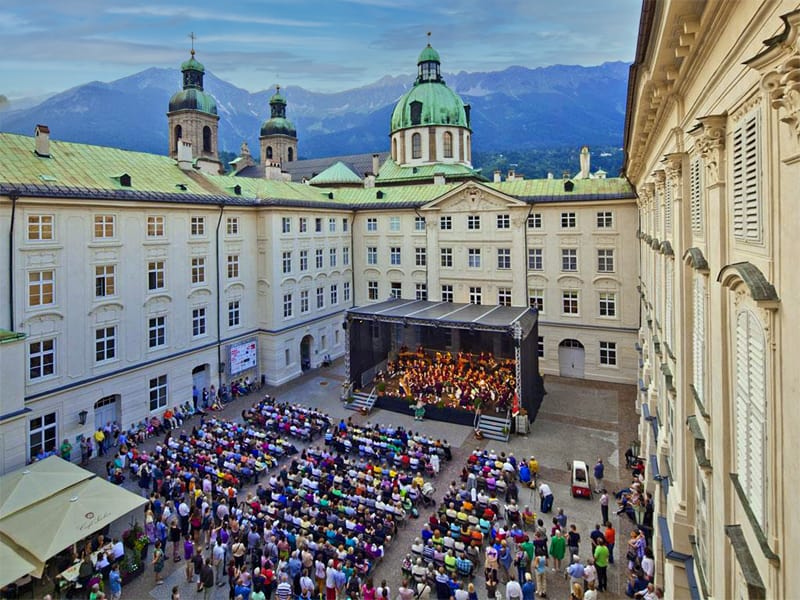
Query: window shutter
x=696, y=194
x=742, y=398
x=699, y=337
x=746, y=175
x=668, y=206
x=668, y=304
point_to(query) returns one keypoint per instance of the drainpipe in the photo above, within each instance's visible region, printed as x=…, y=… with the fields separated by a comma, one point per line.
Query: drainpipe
x=14, y=195
x=353, y=262
x=525, y=256
x=219, y=301
x=427, y=286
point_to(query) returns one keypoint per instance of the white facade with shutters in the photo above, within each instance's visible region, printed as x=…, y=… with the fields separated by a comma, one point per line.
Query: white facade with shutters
x=713, y=149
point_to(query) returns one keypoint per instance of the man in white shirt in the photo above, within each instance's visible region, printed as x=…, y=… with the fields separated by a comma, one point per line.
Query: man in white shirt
x=546, y=495
x=513, y=588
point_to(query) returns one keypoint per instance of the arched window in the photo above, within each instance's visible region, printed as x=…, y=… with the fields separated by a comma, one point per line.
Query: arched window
x=269, y=151
x=751, y=407
x=416, y=112
x=178, y=136
x=207, y=139
x=291, y=154
x=448, y=144
x=416, y=146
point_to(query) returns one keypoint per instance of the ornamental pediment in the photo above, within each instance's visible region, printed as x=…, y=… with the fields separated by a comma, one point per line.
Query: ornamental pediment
x=473, y=197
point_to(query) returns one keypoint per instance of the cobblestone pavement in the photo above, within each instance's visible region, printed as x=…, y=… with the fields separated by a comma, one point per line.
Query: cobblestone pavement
x=578, y=420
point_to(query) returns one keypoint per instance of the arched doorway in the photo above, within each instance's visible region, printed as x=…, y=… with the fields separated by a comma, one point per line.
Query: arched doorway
x=571, y=355
x=305, y=352
x=201, y=378
x=106, y=410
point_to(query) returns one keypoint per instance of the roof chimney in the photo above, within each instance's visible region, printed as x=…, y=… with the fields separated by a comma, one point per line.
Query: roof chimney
x=497, y=176
x=438, y=179
x=185, y=155
x=511, y=175
x=376, y=163
x=41, y=137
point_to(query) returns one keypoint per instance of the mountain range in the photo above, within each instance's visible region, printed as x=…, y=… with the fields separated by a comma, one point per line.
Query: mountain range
x=516, y=109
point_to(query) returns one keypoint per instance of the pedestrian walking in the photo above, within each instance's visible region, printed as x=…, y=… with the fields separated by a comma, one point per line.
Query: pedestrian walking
x=604, y=505
x=599, y=472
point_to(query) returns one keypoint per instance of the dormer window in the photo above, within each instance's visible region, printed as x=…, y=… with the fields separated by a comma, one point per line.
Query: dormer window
x=416, y=112
x=124, y=179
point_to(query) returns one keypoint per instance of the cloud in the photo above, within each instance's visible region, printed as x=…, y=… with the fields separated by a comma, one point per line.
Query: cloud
x=201, y=15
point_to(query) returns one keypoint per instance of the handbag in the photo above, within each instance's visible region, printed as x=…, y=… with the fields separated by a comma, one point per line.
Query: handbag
x=632, y=555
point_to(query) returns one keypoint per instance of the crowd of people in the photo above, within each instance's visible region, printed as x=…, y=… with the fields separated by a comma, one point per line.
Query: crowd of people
x=466, y=381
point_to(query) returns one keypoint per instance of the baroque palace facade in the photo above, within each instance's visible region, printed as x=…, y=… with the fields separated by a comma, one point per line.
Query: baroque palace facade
x=131, y=277
x=713, y=150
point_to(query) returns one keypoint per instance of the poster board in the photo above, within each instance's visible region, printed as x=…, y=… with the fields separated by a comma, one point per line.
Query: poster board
x=243, y=356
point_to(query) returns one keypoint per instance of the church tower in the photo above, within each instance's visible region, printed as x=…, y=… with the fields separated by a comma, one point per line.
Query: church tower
x=278, y=135
x=430, y=122
x=193, y=118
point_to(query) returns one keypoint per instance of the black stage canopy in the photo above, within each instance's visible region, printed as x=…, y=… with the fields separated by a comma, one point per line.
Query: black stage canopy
x=377, y=330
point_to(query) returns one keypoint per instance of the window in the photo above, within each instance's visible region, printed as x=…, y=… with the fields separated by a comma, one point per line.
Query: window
x=473, y=222
x=232, y=226
x=334, y=294
x=568, y=220
x=372, y=224
x=304, y=305
x=286, y=262
x=746, y=180
x=40, y=228
x=288, y=306
x=286, y=225
x=332, y=257
x=701, y=521
x=394, y=223
x=105, y=343
x=608, y=304
x=421, y=291
x=320, y=297
x=394, y=255
x=447, y=143
x=198, y=270
x=395, y=289
x=158, y=392
x=155, y=226
x=416, y=146
x=346, y=291
x=156, y=331
x=318, y=258
x=104, y=278
x=346, y=256
x=233, y=266
x=668, y=284
x=41, y=358
x=198, y=321
x=696, y=194
x=475, y=295
x=668, y=186
x=608, y=353
x=287, y=357
x=447, y=293
x=569, y=259
x=474, y=258
x=699, y=337
x=302, y=225
x=42, y=434
x=372, y=255
x=535, y=221
x=420, y=258
x=540, y=347
x=605, y=261
x=198, y=226
x=234, y=314
x=318, y=224
x=750, y=406
x=155, y=275
x=535, y=260
x=419, y=223
x=103, y=226
x=536, y=299
x=504, y=296
x=445, y=223
x=605, y=219
x=372, y=290
x=41, y=288
x=331, y=225
x=504, y=258
x=503, y=222
x=345, y=224
x=303, y=260
x=446, y=255
x=569, y=302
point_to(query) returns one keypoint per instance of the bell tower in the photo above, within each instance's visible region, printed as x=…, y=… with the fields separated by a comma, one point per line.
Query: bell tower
x=278, y=135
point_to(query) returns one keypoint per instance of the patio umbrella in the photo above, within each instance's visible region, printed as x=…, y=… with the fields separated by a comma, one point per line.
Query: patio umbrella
x=47, y=527
x=12, y=565
x=36, y=482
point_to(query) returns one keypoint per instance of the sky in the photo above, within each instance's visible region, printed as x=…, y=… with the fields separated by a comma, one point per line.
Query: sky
x=321, y=45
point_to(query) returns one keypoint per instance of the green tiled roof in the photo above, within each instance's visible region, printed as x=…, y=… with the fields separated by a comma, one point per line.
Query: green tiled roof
x=554, y=189
x=94, y=167
x=404, y=195
x=337, y=173
x=392, y=172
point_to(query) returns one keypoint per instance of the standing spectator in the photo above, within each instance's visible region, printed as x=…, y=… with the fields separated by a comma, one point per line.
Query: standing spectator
x=599, y=472
x=557, y=549
x=601, y=564
x=573, y=541
x=115, y=582
x=218, y=558
x=65, y=450
x=284, y=589
x=610, y=536
x=206, y=584
x=86, y=450
x=540, y=572
x=513, y=588
x=604, y=505
x=528, y=588
x=158, y=564
x=195, y=397
x=99, y=438
x=546, y=494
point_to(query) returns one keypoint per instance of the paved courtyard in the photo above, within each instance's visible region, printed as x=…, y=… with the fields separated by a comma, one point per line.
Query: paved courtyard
x=578, y=420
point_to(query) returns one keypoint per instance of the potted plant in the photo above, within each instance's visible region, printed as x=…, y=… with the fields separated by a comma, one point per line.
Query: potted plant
x=381, y=387
x=136, y=540
x=130, y=567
